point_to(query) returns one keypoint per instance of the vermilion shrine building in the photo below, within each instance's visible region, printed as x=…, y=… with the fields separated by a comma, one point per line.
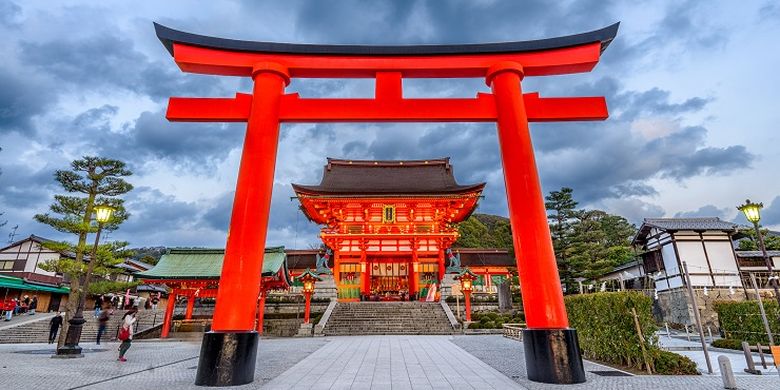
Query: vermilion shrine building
x=389, y=224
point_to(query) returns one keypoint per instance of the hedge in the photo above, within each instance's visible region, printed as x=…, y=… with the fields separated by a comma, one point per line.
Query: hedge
x=607, y=332
x=728, y=344
x=742, y=320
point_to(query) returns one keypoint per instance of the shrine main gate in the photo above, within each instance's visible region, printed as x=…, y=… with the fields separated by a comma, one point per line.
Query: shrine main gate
x=228, y=352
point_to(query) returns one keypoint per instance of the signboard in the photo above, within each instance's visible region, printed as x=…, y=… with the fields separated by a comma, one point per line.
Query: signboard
x=776, y=354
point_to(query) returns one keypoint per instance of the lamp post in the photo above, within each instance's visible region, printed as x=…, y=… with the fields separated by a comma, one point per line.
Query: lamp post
x=71, y=347
x=752, y=212
x=466, y=278
x=308, y=279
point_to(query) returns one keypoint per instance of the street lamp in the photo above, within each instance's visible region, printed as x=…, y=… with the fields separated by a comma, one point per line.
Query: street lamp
x=71, y=347
x=466, y=278
x=308, y=279
x=752, y=212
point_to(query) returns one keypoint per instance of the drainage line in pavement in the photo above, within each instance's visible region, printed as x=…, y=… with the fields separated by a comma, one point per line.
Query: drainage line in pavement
x=132, y=373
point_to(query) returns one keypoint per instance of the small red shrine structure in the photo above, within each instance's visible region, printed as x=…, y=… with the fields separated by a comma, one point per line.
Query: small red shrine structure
x=388, y=223
x=194, y=273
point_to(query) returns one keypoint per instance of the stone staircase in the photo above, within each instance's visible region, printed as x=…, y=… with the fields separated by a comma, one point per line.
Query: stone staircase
x=38, y=331
x=384, y=318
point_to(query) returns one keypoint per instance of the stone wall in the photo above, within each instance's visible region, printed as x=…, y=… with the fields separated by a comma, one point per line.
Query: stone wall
x=674, y=306
x=281, y=327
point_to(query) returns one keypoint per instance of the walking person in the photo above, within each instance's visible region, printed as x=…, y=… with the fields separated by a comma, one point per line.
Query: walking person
x=54, y=326
x=126, y=333
x=33, y=305
x=155, y=301
x=98, y=305
x=103, y=318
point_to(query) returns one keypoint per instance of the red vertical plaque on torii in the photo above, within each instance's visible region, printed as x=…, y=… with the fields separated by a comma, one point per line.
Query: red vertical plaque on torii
x=228, y=352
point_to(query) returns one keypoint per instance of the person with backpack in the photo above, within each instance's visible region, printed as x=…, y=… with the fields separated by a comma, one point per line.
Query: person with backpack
x=126, y=333
x=103, y=318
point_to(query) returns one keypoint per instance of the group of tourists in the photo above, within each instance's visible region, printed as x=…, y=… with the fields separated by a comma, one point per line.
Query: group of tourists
x=14, y=307
x=104, y=309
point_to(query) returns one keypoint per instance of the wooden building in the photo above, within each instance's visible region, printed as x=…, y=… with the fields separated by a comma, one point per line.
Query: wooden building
x=389, y=224
x=704, y=244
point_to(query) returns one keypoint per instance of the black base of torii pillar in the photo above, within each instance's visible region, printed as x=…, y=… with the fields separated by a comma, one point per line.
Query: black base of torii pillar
x=227, y=358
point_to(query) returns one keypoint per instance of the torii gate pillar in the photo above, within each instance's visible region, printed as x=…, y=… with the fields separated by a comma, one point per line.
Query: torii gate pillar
x=229, y=351
x=548, y=338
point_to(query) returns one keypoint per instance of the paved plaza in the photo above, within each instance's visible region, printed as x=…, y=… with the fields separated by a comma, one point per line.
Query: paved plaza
x=359, y=362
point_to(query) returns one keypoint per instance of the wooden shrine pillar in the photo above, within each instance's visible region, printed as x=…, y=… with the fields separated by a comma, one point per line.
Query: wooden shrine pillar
x=167, y=319
x=190, y=306
x=413, y=269
x=337, y=272
x=441, y=264
x=261, y=310
x=365, y=272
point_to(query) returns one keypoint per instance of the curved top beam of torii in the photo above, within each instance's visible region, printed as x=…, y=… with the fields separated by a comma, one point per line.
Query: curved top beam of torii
x=211, y=55
x=169, y=36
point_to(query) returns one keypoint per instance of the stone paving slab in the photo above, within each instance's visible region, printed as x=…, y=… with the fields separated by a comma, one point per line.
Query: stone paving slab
x=507, y=356
x=391, y=362
x=150, y=365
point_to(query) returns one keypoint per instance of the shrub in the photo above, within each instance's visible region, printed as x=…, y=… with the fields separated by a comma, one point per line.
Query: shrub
x=475, y=325
x=742, y=320
x=728, y=344
x=606, y=331
x=670, y=363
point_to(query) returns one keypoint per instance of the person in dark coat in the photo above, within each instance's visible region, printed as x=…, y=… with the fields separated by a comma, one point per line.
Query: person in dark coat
x=103, y=318
x=54, y=326
x=33, y=305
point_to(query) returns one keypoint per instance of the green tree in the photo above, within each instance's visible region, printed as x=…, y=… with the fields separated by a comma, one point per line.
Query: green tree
x=750, y=242
x=561, y=214
x=473, y=233
x=90, y=181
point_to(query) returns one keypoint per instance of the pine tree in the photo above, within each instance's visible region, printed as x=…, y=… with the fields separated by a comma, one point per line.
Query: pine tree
x=91, y=180
x=561, y=208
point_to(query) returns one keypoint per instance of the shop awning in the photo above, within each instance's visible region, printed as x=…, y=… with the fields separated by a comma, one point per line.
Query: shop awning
x=11, y=282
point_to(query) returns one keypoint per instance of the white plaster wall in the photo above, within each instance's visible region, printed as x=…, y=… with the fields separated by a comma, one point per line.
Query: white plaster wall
x=670, y=260
x=692, y=253
x=721, y=256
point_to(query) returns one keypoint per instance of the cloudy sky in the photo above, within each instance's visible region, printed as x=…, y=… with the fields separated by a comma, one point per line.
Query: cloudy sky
x=692, y=89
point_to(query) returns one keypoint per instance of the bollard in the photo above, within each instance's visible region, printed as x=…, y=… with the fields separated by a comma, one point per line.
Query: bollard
x=751, y=366
x=687, y=335
x=729, y=382
x=669, y=335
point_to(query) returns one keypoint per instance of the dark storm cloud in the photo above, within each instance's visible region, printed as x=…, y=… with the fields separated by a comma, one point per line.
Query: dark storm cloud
x=150, y=208
x=285, y=215
x=9, y=13
x=218, y=215
x=22, y=186
x=448, y=22
x=771, y=214
x=704, y=211
x=654, y=102
x=770, y=12
x=105, y=60
x=21, y=98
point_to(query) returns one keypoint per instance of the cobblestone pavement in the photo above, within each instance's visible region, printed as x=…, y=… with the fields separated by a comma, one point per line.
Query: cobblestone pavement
x=360, y=362
x=506, y=356
x=391, y=362
x=150, y=365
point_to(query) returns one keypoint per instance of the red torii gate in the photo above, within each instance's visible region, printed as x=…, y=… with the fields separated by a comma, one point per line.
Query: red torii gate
x=229, y=351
